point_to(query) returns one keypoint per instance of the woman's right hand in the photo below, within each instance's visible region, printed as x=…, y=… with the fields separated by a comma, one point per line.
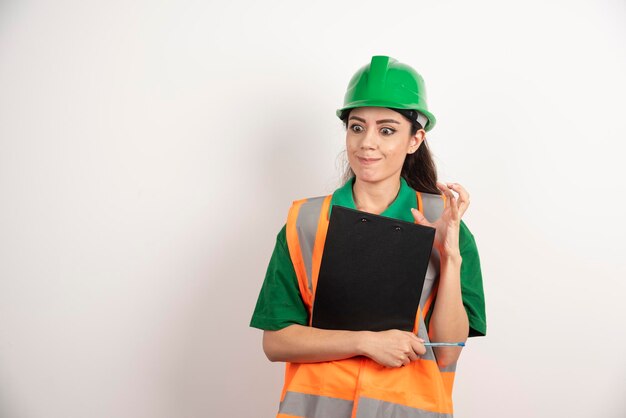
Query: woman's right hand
x=393, y=348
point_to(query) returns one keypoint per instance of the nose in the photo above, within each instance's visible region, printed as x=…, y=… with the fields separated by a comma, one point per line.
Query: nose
x=369, y=139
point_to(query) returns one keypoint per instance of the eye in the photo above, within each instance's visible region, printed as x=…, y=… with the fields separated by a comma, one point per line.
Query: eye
x=356, y=128
x=387, y=131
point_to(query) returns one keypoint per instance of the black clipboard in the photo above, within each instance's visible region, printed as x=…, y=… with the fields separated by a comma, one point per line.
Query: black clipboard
x=372, y=272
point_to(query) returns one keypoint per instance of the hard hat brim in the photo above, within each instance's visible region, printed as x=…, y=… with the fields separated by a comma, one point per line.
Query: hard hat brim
x=381, y=103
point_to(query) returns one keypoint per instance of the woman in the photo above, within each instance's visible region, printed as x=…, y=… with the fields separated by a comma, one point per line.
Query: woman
x=343, y=374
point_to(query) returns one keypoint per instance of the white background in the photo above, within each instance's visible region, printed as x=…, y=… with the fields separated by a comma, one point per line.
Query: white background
x=149, y=152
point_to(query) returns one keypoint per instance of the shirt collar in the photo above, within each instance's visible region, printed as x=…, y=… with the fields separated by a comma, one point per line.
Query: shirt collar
x=399, y=209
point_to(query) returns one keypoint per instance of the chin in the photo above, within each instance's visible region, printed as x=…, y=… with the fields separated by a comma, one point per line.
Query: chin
x=368, y=177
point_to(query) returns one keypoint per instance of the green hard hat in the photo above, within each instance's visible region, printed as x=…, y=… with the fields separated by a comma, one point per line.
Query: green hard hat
x=385, y=82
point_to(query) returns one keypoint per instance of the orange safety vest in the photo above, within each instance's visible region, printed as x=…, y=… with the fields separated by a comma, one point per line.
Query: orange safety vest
x=359, y=387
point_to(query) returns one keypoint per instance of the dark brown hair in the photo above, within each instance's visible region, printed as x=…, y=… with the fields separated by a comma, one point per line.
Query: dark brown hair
x=419, y=169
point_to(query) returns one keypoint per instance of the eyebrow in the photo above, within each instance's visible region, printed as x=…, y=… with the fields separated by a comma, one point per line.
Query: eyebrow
x=377, y=122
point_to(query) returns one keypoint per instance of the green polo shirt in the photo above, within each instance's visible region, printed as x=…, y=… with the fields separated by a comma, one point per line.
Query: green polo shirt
x=280, y=304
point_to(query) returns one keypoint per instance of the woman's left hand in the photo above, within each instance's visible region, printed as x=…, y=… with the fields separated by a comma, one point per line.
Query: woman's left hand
x=448, y=224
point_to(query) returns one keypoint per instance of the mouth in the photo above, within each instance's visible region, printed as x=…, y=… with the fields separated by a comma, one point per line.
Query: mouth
x=368, y=161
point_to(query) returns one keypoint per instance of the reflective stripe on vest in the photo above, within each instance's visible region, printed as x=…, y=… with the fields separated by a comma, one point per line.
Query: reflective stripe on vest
x=312, y=406
x=358, y=387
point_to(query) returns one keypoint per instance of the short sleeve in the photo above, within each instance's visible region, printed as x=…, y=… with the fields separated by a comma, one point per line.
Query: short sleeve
x=472, y=283
x=280, y=303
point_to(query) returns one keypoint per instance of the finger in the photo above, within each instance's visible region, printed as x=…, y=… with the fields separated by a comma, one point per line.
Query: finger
x=419, y=217
x=452, y=203
x=412, y=356
x=419, y=348
x=397, y=362
x=464, y=197
x=405, y=360
x=445, y=189
x=415, y=337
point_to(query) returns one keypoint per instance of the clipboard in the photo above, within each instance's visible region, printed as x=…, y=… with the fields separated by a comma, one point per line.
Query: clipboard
x=372, y=272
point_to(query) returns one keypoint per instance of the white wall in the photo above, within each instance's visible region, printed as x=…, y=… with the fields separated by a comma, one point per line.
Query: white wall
x=149, y=151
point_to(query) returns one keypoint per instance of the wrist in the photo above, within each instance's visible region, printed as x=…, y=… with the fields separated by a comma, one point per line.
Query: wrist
x=450, y=257
x=361, y=343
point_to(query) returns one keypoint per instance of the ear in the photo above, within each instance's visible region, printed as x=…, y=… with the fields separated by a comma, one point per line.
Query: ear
x=416, y=140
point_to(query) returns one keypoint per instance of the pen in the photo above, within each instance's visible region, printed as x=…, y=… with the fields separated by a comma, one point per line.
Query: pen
x=444, y=344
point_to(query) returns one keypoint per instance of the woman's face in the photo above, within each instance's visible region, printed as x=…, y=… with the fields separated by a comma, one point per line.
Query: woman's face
x=377, y=142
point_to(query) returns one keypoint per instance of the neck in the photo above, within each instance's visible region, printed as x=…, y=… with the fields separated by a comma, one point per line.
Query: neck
x=375, y=197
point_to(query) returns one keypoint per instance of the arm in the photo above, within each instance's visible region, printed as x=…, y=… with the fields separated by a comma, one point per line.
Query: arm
x=449, y=322
x=302, y=344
